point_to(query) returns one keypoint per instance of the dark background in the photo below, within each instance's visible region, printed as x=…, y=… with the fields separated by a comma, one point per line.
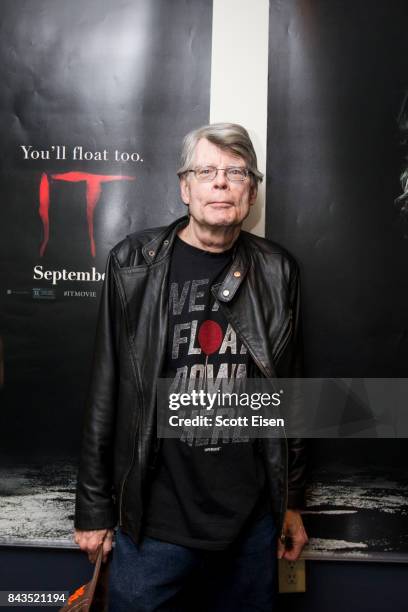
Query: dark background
x=338, y=77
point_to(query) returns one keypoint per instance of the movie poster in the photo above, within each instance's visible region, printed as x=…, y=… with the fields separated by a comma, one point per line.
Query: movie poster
x=95, y=100
x=337, y=199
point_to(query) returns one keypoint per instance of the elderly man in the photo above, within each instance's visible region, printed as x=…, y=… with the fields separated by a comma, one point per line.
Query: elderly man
x=200, y=525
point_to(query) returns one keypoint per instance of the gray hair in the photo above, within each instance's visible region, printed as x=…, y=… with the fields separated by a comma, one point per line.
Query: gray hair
x=227, y=136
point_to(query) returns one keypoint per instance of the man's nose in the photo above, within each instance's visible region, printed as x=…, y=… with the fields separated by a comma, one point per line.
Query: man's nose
x=221, y=180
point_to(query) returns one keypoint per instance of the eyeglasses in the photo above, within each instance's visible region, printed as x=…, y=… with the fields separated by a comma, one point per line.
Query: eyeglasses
x=235, y=174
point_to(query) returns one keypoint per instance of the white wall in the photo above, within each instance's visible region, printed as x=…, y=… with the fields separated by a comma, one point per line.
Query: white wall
x=239, y=79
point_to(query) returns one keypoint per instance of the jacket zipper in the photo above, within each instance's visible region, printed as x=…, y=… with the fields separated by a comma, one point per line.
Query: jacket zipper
x=285, y=500
x=284, y=342
x=134, y=441
x=126, y=477
x=139, y=449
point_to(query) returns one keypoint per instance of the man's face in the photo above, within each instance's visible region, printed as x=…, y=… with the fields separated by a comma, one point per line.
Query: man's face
x=218, y=203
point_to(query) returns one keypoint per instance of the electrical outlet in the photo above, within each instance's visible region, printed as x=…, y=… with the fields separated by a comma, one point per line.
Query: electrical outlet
x=292, y=578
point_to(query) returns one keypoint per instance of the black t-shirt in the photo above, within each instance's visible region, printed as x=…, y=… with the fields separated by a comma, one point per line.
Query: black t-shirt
x=204, y=491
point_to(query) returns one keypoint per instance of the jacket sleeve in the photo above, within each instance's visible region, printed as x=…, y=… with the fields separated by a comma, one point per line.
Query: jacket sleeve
x=291, y=366
x=95, y=507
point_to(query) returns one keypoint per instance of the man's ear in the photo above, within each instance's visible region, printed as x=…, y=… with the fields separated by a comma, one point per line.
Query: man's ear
x=185, y=190
x=253, y=192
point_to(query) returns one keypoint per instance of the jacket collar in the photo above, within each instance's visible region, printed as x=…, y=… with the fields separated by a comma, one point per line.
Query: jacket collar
x=161, y=246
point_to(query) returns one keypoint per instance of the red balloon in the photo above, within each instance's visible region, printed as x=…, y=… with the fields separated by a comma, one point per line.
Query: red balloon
x=209, y=336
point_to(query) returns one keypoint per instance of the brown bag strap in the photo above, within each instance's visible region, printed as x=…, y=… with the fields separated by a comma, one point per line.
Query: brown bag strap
x=98, y=562
x=94, y=594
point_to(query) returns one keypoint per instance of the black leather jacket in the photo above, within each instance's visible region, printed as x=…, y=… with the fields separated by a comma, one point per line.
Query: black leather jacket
x=119, y=436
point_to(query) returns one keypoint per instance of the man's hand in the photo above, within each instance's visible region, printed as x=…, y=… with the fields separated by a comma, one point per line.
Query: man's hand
x=89, y=542
x=294, y=531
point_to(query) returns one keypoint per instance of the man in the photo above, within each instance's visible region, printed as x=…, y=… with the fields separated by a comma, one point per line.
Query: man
x=199, y=299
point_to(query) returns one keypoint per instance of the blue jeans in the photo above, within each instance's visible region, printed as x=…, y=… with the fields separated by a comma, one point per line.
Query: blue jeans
x=158, y=576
